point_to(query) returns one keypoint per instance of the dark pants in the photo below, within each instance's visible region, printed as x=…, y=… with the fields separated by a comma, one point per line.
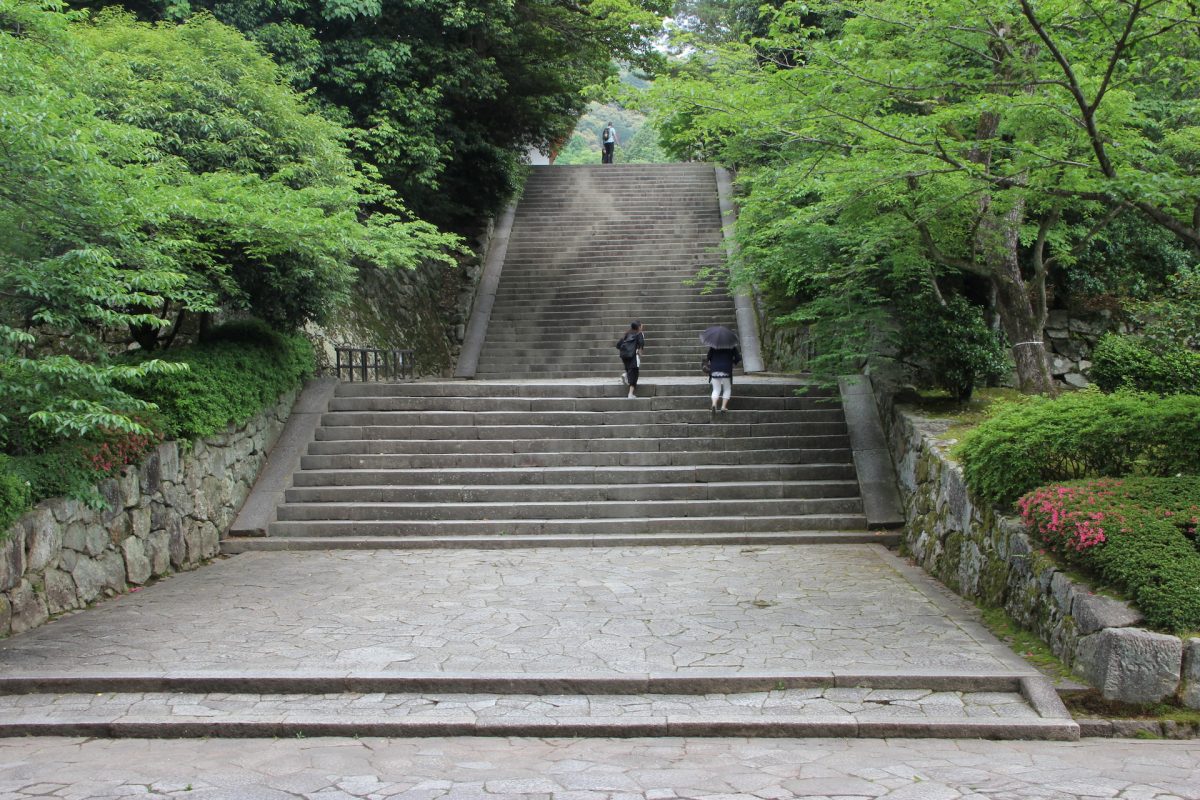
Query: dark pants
x=631, y=370
x=607, y=156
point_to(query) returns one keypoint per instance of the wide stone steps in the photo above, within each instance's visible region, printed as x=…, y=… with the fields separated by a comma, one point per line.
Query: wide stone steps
x=431, y=455
x=590, y=250
x=706, y=422
x=637, y=529
x=766, y=710
x=576, y=476
x=574, y=390
x=540, y=404
x=526, y=495
x=586, y=432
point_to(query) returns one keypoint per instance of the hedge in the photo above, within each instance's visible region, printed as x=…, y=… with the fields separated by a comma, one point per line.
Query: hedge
x=1126, y=362
x=238, y=371
x=1136, y=534
x=1081, y=435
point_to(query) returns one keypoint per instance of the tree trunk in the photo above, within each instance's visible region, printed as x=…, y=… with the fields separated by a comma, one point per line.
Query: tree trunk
x=1022, y=320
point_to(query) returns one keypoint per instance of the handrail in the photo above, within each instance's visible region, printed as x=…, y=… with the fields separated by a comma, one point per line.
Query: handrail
x=372, y=363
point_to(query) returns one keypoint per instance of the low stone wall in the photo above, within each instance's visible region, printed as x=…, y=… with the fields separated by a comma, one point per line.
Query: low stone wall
x=167, y=514
x=988, y=558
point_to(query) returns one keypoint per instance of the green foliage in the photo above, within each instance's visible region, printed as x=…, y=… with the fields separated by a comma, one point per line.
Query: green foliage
x=882, y=145
x=1138, y=535
x=1131, y=363
x=1084, y=434
x=148, y=173
x=14, y=496
x=956, y=348
x=445, y=97
x=242, y=369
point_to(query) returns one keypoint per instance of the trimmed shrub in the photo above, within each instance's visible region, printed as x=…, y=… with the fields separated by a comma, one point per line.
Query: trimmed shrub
x=1137, y=534
x=1081, y=435
x=953, y=345
x=241, y=369
x=1126, y=362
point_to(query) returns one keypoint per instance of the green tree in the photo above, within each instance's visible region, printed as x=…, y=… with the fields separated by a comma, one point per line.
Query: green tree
x=979, y=141
x=445, y=96
x=149, y=172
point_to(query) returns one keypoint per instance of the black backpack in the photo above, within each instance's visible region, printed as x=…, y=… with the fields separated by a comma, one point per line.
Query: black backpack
x=627, y=346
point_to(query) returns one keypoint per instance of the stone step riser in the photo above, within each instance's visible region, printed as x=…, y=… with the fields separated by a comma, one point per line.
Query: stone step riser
x=561, y=510
x=590, y=301
x=697, y=416
x=582, y=476
x=770, y=727
x=809, y=490
x=590, y=527
x=616, y=404
x=676, y=370
x=535, y=460
x=535, y=391
x=586, y=432
x=511, y=542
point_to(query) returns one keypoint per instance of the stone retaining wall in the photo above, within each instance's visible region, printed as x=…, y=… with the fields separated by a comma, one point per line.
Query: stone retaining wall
x=167, y=514
x=988, y=558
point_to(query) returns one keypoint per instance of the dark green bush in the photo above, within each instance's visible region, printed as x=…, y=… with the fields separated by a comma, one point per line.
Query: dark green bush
x=1127, y=362
x=240, y=370
x=1136, y=534
x=14, y=495
x=1081, y=435
x=952, y=345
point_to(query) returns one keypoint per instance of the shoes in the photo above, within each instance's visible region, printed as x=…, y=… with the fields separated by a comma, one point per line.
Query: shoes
x=631, y=396
x=723, y=410
x=713, y=411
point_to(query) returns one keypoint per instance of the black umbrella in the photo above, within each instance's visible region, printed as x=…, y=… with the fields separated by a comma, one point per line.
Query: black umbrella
x=719, y=337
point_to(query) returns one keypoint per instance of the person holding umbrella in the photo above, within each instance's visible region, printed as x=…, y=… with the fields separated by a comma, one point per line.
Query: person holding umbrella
x=723, y=354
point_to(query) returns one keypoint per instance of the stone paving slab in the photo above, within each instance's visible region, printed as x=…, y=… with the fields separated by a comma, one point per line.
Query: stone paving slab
x=715, y=610
x=597, y=769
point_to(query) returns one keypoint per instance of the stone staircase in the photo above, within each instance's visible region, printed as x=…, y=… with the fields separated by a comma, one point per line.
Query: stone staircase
x=499, y=464
x=594, y=247
x=531, y=566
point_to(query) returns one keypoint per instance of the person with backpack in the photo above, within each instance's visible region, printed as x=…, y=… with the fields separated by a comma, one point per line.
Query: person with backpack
x=630, y=348
x=608, y=143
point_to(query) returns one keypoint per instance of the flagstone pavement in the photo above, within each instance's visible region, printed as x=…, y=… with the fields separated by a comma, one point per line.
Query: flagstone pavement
x=596, y=769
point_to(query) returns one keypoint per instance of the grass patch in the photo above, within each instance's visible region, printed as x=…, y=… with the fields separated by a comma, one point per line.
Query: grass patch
x=963, y=417
x=1025, y=644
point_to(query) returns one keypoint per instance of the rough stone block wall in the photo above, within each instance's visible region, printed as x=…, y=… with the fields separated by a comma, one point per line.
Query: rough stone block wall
x=165, y=515
x=988, y=558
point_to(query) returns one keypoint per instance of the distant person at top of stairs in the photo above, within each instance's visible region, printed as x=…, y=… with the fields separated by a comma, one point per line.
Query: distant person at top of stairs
x=608, y=143
x=630, y=347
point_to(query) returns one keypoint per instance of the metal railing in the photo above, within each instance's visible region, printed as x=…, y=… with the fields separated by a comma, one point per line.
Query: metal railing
x=372, y=364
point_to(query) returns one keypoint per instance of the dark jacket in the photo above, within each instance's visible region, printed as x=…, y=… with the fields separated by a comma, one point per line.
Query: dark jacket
x=637, y=337
x=722, y=361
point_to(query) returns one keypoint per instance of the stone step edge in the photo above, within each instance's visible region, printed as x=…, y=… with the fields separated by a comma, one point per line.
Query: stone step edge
x=1031, y=686
x=268, y=543
x=759, y=727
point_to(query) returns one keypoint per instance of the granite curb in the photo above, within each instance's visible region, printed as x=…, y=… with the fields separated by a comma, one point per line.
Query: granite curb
x=485, y=296
x=596, y=684
x=872, y=457
x=743, y=301
x=283, y=460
